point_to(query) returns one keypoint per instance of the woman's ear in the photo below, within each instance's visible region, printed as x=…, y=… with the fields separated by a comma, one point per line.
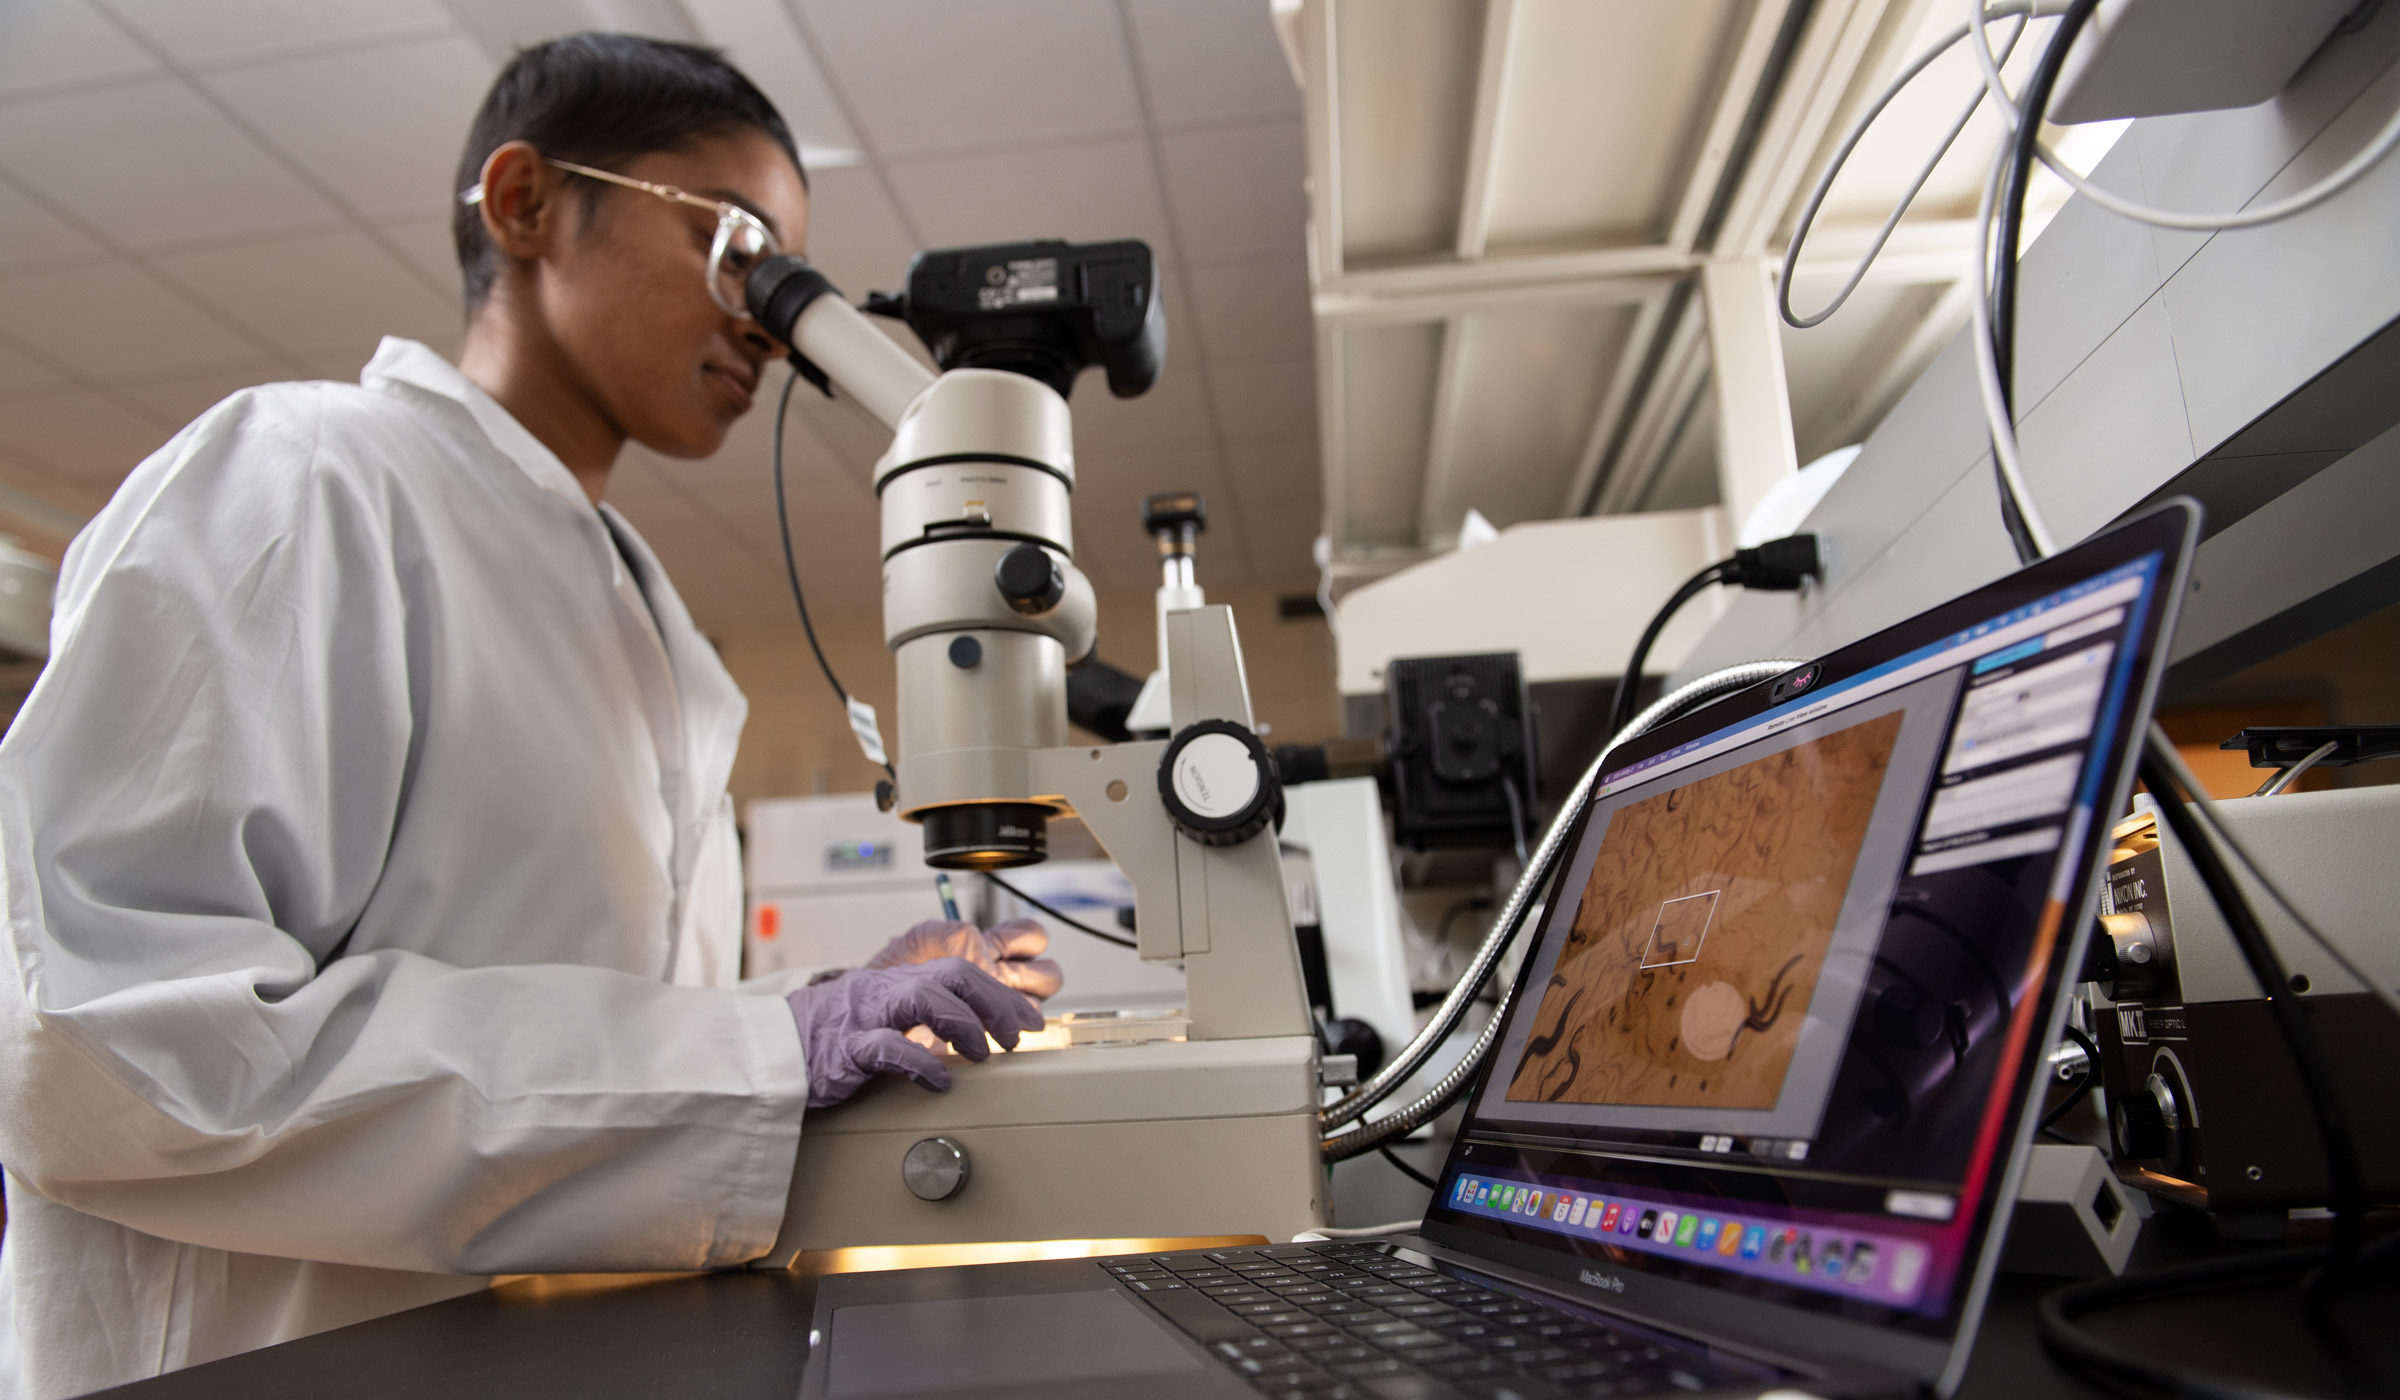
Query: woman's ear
x=523, y=202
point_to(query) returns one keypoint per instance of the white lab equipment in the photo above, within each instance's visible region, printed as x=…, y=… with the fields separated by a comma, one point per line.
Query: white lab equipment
x=830, y=879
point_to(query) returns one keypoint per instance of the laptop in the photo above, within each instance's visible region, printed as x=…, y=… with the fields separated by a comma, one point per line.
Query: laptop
x=1765, y=1086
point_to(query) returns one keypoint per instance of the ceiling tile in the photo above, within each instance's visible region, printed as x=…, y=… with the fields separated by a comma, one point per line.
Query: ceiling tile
x=1082, y=193
x=31, y=234
x=1172, y=415
x=382, y=127
x=53, y=43
x=855, y=233
x=762, y=42
x=50, y=489
x=1250, y=312
x=1277, y=492
x=1032, y=70
x=116, y=323
x=183, y=398
x=20, y=374
x=1619, y=66
x=319, y=293
x=82, y=437
x=151, y=162
x=344, y=366
x=501, y=27
x=1528, y=382
x=234, y=29
x=1266, y=400
x=1238, y=191
x=426, y=243
x=1406, y=75
x=1211, y=60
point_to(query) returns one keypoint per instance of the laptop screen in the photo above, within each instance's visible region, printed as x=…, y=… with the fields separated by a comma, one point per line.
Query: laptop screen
x=1778, y=1022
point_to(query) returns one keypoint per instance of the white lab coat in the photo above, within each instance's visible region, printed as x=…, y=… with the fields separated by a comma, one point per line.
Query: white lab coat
x=371, y=903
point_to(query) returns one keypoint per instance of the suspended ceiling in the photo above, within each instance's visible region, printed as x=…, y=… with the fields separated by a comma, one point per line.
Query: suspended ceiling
x=199, y=195
x=1510, y=198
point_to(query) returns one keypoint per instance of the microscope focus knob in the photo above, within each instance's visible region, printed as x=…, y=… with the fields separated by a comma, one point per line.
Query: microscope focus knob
x=2149, y=1122
x=1029, y=580
x=1218, y=783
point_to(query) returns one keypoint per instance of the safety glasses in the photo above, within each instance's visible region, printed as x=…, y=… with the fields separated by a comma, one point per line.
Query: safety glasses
x=741, y=244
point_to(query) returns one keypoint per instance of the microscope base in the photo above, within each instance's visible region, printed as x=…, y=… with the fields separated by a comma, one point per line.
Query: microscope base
x=1166, y=1138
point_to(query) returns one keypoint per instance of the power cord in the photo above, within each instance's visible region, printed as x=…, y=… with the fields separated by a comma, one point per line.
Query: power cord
x=2292, y=1021
x=1778, y=566
x=2015, y=499
x=2326, y=1268
x=1405, y=1169
x=1068, y=919
x=791, y=571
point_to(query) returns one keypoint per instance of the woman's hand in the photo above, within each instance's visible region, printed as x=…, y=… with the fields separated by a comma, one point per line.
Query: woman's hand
x=1009, y=952
x=854, y=1026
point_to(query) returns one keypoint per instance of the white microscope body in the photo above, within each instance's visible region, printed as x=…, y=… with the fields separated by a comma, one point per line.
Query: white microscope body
x=1212, y=1133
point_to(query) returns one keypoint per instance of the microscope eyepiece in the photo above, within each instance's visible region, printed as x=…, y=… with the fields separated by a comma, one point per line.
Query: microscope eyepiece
x=780, y=289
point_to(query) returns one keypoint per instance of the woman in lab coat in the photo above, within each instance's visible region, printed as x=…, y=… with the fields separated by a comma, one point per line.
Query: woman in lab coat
x=370, y=890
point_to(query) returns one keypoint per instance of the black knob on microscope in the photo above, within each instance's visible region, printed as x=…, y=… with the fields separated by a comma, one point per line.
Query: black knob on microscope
x=1030, y=580
x=2141, y=1126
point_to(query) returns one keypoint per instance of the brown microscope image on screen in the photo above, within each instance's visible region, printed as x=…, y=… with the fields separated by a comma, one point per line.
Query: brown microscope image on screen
x=1702, y=929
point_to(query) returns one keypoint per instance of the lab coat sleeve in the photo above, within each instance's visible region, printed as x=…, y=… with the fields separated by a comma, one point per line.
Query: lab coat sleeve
x=194, y=806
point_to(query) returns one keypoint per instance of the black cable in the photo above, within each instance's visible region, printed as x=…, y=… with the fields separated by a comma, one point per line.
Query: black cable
x=1068, y=919
x=1781, y=566
x=791, y=566
x=2299, y=1033
x=1621, y=703
x=2083, y=1086
x=2033, y=101
x=1406, y=1170
x=2113, y=1369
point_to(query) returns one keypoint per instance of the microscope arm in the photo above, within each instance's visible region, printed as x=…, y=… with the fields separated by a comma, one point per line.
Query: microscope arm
x=1219, y=910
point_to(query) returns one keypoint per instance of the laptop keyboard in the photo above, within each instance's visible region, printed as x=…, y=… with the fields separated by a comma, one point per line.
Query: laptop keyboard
x=1342, y=1320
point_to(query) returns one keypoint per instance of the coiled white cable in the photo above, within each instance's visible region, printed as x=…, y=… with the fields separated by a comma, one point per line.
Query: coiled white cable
x=1858, y=131
x=2341, y=179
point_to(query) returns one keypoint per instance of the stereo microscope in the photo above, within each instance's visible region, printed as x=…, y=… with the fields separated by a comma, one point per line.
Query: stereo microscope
x=1198, y=1120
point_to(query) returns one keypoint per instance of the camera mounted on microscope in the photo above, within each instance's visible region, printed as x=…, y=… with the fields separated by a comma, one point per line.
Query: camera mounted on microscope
x=1046, y=310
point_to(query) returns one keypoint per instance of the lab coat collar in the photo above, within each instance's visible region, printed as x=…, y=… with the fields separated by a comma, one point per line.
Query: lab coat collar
x=400, y=361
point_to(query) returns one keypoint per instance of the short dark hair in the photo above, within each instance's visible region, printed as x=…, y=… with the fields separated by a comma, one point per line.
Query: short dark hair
x=599, y=100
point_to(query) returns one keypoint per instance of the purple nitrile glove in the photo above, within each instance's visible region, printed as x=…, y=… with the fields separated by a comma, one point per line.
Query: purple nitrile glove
x=853, y=1027
x=1007, y=951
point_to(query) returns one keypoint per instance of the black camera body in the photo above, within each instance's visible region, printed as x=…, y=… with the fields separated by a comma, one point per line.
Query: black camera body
x=1461, y=751
x=1045, y=309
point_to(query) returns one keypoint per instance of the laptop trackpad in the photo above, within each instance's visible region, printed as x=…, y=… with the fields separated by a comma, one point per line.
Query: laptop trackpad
x=966, y=1344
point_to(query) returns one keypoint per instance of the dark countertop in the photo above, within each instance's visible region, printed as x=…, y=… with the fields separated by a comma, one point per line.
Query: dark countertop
x=744, y=1334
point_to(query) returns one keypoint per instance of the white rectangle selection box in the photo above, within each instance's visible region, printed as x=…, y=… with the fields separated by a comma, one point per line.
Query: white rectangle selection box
x=1681, y=929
